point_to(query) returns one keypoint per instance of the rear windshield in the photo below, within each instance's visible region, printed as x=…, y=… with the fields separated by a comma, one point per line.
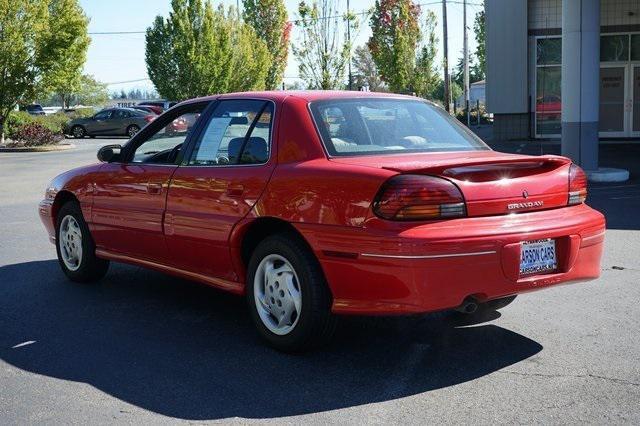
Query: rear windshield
x=351, y=127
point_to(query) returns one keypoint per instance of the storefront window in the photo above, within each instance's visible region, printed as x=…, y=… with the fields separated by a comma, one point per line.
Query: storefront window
x=614, y=48
x=548, y=101
x=635, y=47
x=549, y=51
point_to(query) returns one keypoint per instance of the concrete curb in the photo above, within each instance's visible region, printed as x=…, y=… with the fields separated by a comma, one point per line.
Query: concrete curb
x=48, y=148
x=608, y=174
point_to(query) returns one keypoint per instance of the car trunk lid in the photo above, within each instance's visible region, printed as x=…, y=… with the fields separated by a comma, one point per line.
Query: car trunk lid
x=492, y=183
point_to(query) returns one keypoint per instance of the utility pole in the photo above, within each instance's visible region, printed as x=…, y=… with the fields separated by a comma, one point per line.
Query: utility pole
x=466, y=61
x=447, y=93
x=349, y=42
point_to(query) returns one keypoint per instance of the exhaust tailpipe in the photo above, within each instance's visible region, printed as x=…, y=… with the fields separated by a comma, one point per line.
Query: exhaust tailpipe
x=469, y=306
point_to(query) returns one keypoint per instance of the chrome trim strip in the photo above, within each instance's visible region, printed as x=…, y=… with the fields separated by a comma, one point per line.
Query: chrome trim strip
x=431, y=256
x=591, y=237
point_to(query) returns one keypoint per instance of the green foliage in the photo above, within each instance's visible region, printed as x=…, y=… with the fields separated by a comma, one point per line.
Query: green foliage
x=394, y=40
x=426, y=78
x=366, y=71
x=481, y=38
x=323, y=51
x=268, y=18
x=69, y=23
x=31, y=45
x=475, y=73
x=198, y=51
x=54, y=122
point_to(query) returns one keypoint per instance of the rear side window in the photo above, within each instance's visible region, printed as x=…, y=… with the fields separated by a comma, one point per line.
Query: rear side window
x=238, y=132
x=387, y=126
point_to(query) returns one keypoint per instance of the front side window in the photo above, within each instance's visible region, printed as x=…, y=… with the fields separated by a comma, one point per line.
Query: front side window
x=164, y=145
x=102, y=115
x=387, y=126
x=238, y=132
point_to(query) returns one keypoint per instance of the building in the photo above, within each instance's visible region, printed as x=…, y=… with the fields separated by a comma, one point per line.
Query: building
x=525, y=68
x=476, y=93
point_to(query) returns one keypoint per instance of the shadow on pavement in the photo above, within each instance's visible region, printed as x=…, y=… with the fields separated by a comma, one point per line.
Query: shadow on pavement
x=188, y=351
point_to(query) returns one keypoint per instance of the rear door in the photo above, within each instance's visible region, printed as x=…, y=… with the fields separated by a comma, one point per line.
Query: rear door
x=219, y=184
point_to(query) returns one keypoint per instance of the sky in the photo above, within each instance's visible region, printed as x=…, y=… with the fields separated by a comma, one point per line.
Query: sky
x=118, y=59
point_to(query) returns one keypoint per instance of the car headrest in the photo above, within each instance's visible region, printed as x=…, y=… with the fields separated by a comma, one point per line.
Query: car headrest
x=255, y=151
x=238, y=121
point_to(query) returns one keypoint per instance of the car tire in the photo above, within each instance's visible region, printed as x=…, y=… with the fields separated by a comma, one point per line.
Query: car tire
x=78, y=132
x=75, y=247
x=291, y=304
x=132, y=130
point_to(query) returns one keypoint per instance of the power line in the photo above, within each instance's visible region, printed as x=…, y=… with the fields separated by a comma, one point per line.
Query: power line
x=295, y=21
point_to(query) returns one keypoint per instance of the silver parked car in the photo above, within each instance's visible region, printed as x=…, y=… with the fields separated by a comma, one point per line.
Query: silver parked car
x=110, y=122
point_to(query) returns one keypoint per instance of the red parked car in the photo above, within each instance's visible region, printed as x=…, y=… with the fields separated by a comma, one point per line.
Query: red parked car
x=322, y=203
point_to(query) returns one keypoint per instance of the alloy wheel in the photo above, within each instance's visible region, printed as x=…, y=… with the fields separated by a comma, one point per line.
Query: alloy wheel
x=70, y=242
x=277, y=294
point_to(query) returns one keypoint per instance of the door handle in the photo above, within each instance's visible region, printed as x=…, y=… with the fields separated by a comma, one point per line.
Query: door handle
x=154, y=188
x=235, y=190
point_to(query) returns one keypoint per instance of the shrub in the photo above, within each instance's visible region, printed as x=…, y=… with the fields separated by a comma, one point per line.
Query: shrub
x=15, y=121
x=35, y=134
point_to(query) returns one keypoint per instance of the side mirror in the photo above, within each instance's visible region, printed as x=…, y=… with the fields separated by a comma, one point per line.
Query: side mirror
x=109, y=153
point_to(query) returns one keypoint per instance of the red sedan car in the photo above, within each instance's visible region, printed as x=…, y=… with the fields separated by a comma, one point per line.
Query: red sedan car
x=322, y=203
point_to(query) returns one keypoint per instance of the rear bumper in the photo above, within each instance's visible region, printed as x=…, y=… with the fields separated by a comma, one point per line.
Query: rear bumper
x=435, y=266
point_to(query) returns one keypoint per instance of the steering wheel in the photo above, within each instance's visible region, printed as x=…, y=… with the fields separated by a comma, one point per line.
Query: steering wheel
x=173, y=155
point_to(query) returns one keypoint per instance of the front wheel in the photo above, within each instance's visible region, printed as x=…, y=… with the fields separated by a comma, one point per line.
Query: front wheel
x=288, y=296
x=75, y=246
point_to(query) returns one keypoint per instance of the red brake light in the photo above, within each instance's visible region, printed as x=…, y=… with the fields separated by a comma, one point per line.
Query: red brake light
x=418, y=197
x=577, y=185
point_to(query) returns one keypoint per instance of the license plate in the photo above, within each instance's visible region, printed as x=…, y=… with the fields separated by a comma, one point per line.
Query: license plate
x=537, y=256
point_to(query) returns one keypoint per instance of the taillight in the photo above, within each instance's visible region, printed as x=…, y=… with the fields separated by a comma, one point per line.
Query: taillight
x=149, y=118
x=418, y=197
x=577, y=185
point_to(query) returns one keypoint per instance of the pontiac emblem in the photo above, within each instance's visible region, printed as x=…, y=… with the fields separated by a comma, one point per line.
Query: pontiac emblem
x=525, y=194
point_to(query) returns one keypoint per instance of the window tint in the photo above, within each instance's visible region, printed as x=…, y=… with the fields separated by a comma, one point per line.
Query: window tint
x=238, y=132
x=164, y=145
x=381, y=126
x=103, y=115
x=120, y=113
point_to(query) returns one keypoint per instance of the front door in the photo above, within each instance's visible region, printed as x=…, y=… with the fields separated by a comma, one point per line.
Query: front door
x=130, y=196
x=218, y=185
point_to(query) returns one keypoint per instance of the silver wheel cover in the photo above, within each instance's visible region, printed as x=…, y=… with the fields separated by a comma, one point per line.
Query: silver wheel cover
x=70, y=242
x=277, y=294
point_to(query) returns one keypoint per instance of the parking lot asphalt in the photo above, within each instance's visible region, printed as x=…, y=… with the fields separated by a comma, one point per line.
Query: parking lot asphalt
x=141, y=346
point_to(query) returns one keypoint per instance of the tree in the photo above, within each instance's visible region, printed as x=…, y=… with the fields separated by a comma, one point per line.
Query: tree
x=394, y=40
x=323, y=52
x=68, y=21
x=268, y=18
x=475, y=73
x=481, y=37
x=90, y=92
x=29, y=48
x=426, y=76
x=199, y=50
x=366, y=71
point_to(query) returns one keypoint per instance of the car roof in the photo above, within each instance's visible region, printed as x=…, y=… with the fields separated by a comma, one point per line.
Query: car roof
x=308, y=95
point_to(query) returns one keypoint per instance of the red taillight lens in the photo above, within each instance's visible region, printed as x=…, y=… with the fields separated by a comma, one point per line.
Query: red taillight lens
x=577, y=185
x=149, y=118
x=417, y=197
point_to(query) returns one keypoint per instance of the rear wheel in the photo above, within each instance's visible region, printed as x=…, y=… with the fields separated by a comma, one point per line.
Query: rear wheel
x=132, y=130
x=78, y=132
x=75, y=246
x=288, y=296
